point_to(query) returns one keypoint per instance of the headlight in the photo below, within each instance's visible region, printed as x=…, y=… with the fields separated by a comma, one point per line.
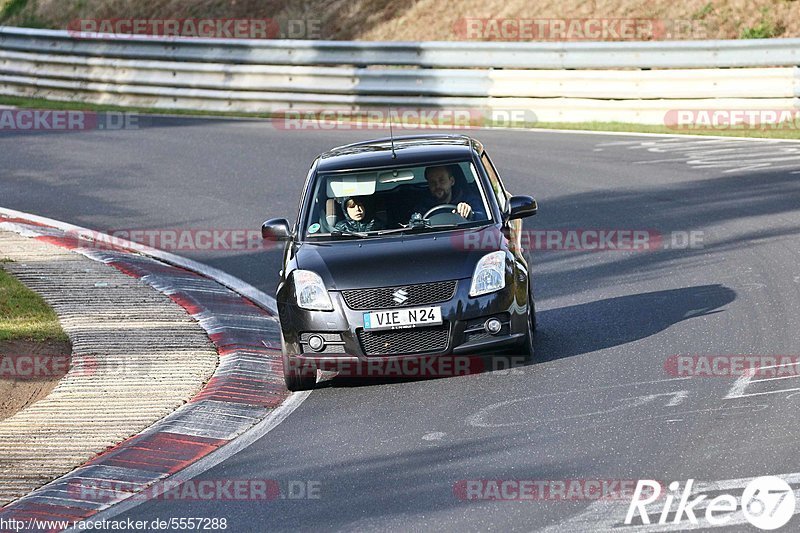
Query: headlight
x=311, y=292
x=490, y=274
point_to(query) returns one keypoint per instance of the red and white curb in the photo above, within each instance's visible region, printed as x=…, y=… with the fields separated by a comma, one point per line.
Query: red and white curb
x=244, y=399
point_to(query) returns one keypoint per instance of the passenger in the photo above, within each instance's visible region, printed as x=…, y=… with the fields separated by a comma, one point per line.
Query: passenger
x=355, y=216
x=441, y=185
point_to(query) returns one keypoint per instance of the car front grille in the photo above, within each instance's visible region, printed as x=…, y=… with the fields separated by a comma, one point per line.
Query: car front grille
x=405, y=341
x=400, y=296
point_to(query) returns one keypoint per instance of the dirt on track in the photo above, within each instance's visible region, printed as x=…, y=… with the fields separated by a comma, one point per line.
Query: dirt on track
x=29, y=386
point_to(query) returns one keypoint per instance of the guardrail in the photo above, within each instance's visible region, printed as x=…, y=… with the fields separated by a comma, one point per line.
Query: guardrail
x=606, y=81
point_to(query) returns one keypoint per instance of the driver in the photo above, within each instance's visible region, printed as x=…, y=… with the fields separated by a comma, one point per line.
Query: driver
x=441, y=185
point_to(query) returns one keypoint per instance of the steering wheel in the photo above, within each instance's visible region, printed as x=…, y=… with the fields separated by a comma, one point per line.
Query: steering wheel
x=438, y=208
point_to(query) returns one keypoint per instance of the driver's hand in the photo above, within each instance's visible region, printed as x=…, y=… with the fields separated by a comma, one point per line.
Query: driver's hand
x=464, y=209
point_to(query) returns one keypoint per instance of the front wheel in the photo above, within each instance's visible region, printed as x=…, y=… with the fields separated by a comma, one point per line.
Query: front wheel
x=296, y=377
x=527, y=347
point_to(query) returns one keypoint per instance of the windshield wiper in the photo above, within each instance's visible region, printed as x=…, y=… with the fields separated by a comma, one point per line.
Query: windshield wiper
x=341, y=233
x=418, y=228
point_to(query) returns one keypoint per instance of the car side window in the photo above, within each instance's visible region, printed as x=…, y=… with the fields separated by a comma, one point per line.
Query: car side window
x=494, y=179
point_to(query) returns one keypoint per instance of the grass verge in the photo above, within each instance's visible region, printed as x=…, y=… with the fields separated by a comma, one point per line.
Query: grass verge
x=24, y=315
x=783, y=131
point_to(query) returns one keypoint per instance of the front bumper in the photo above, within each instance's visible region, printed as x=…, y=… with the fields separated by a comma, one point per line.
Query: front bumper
x=462, y=315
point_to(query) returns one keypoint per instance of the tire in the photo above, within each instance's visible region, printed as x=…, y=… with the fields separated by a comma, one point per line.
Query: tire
x=296, y=378
x=527, y=346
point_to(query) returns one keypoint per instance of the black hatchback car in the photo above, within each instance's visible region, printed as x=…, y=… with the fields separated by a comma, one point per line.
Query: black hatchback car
x=403, y=247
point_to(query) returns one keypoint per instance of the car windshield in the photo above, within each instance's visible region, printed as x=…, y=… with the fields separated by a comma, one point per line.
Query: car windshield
x=387, y=201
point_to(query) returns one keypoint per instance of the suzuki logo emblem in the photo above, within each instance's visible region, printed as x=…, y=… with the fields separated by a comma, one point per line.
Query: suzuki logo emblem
x=400, y=296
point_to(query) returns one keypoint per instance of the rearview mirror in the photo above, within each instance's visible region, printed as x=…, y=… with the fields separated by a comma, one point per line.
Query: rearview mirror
x=276, y=229
x=522, y=206
x=395, y=176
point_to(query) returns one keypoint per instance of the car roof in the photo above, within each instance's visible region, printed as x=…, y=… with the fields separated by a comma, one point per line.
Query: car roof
x=409, y=150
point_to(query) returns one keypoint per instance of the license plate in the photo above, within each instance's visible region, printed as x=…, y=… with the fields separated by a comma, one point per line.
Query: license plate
x=403, y=318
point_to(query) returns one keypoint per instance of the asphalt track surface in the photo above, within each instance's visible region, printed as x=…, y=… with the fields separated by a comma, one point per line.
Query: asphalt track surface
x=597, y=404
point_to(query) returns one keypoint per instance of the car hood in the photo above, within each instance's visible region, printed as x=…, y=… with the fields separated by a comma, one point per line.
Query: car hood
x=399, y=260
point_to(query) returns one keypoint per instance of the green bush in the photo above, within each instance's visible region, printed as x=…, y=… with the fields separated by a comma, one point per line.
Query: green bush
x=9, y=8
x=766, y=29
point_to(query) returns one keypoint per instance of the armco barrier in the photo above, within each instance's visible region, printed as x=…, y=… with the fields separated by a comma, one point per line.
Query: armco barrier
x=576, y=81
x=581, y=55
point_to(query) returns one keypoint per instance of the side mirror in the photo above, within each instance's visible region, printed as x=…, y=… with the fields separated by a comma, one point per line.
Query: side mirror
x=522, y=206
x=276, y=229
